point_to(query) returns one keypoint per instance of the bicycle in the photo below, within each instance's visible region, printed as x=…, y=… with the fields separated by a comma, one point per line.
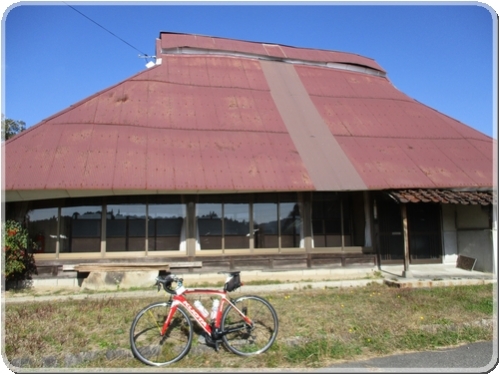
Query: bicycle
x=162, y=332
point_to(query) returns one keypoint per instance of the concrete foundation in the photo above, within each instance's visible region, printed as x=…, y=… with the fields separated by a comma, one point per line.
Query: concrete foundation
x=117, y=280
x=114, y=281
x=146, y=279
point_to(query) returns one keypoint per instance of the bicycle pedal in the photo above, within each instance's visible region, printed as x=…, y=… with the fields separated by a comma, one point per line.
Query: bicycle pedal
x=209, y=341
x=212, y=343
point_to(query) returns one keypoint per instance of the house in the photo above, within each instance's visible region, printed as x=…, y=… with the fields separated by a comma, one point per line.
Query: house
x=247, y=155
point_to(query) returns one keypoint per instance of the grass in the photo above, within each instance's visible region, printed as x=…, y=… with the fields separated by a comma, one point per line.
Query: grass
x=250, y=282
x=317, y=327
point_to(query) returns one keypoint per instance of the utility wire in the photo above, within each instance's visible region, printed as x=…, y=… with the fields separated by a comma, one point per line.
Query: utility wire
x=102, y=27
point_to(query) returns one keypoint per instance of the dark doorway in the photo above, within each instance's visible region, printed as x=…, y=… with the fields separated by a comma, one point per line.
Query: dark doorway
x=391, y=243
x=424, y=231
x=424, y=228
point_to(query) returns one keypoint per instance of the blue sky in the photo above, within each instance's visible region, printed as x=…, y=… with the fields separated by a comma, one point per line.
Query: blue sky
x=441, y=55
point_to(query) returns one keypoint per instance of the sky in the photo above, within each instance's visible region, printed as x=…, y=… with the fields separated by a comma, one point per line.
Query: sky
x=444, y=55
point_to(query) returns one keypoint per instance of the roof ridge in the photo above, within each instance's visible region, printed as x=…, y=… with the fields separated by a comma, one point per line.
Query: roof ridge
x=268, y=43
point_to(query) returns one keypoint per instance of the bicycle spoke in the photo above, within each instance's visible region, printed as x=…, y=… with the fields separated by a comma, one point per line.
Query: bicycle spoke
x=145, y=335
x=248, y=339
x=156, y=321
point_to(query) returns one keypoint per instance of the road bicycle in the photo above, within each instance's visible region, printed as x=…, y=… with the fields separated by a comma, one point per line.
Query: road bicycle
x=162, y=333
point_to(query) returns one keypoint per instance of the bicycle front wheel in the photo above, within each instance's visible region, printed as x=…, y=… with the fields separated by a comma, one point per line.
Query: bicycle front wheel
x=248, y=339
x=154, y=349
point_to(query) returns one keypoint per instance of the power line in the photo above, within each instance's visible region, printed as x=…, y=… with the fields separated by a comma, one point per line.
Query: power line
x=102, y=27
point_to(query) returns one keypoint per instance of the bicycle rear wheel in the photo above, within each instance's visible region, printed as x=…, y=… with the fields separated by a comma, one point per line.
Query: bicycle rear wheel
x=249, y=339
x=146, y=341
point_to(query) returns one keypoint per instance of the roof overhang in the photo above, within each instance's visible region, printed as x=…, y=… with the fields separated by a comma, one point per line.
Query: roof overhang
x=34, y=195
x=445, y=196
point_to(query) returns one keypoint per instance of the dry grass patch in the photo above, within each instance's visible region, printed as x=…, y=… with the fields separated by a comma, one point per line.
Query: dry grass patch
x=317, y=327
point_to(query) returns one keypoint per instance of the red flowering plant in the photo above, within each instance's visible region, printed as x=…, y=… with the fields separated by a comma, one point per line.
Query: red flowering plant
x=19, y=263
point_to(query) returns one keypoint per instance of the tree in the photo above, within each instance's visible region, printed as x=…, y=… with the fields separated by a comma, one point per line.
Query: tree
x=11, y=127
x=19, y=262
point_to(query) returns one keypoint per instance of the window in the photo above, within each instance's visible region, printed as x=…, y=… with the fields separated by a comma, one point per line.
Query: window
x=265, y=216
x=80, y=229
x=42, y=228
x=269, y=225
x=126, y=227
x=290, y=224
x=236, y=226
x=209, y=220
x=165, y=225
x=332, y=220
x=223, y=222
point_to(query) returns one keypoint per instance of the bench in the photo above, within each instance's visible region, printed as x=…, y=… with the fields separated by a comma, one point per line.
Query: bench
x=120, y=267
x=114, y=275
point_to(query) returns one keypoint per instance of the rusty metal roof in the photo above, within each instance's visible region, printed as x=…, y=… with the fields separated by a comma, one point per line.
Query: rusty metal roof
x=482, y=198
x=217, y=115
x=172, y=42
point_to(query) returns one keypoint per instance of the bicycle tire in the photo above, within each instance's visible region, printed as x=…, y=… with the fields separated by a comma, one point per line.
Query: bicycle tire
x=250, y=340
x=149, y=346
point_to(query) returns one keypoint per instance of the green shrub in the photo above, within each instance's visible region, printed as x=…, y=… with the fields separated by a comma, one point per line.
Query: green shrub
x=18, y=252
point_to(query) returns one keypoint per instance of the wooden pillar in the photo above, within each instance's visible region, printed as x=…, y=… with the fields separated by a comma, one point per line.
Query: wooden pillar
x=307, y=221
x=104, y=216
x=368, y=223
x=404, y=216
x=146, y=242
x=251, y=242
x=376, y=234
x=58, y=241
x=191, y=229
x=342, y=239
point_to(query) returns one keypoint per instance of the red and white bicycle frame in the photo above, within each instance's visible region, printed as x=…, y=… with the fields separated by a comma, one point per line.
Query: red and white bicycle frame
x=180, y=300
